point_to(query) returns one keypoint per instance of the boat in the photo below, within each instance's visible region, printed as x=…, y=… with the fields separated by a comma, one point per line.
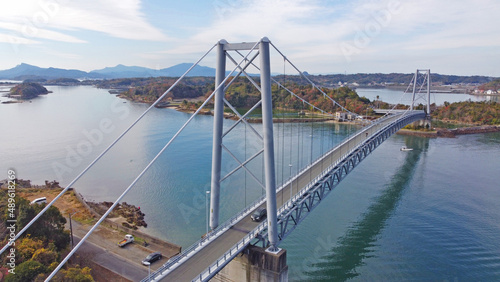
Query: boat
x=404, y=148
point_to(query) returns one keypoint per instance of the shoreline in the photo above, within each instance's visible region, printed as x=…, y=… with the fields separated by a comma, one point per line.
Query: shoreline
x=450, y=133
x=86, y=215
x=174, y=105
x=233, y=116
x=439, y=132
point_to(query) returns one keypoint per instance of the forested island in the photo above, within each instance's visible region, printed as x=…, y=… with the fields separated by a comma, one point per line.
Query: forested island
x=27, y=90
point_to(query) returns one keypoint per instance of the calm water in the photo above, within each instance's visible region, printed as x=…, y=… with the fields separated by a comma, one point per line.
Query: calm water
x=428, y=215
x=397, y=96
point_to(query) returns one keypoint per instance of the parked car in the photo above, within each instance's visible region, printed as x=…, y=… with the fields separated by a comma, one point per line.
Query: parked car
x=41, y=200
x=259, y=214
x=152, y=258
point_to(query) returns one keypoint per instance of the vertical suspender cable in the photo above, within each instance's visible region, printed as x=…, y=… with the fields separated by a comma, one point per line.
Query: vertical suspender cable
x=245, y=169
x=283, y=107
x=311, y=141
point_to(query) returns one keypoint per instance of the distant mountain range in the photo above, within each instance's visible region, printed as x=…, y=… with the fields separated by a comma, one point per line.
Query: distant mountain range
x=26, y=71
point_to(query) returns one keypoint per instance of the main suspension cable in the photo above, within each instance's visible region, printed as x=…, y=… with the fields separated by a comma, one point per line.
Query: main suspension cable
x=102, y=154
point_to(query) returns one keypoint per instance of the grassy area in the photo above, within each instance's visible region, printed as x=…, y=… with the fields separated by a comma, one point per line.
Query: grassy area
x=67, y=203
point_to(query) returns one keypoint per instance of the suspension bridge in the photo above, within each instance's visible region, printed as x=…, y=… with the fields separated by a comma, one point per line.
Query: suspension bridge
x=288, y=203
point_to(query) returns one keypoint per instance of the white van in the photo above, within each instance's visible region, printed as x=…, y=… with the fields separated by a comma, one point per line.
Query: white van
x=41, y=200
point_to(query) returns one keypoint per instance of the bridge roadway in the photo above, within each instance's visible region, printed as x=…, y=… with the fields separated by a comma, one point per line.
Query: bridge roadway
x=195, y=265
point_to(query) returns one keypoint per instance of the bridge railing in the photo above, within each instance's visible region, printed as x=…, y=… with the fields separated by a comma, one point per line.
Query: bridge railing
x=299, y=194
x=174, y=262
x=214, y=268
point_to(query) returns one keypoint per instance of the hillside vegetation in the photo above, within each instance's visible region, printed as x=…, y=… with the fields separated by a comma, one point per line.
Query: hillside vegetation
x=487, y=113
x=149, y=90
x=40, y=249
x=492, y=85
x=242, y=94
x=382, y=78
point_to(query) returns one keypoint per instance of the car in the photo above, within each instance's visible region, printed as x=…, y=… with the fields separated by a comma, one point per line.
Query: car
x=259, y=214
x=41, y=200
x=152, y=258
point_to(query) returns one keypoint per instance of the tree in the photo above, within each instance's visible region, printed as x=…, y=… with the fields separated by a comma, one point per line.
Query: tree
x=78, y=274
x=26, y=271
x=74, y=274
x=45, y=256
x=50, y=226
x=27, y=247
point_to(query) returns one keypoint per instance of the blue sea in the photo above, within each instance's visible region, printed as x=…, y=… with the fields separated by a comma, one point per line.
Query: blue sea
x=431, y=214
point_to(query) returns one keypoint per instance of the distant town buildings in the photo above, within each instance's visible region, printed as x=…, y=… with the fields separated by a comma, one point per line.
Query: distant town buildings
x=486, y=92
x=343, y=116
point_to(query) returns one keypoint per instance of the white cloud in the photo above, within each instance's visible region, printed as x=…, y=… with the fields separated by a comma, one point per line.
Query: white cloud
x=15, y=40
x=386, y=34
x=311, y=32
x=31, y=31
x=450, y=24
x=294, y=24
x=54, y=19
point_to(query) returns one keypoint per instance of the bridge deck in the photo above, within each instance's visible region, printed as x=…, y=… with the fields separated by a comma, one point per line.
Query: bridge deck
x=206, y=256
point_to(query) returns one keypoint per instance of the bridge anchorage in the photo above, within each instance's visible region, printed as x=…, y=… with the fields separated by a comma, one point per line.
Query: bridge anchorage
x=307, y=188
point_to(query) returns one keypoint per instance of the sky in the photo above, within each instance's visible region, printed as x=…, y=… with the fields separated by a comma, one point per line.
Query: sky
x=460, y=37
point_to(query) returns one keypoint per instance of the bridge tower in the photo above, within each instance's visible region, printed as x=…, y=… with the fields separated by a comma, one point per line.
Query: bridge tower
x=267, y=124
x=421, y=94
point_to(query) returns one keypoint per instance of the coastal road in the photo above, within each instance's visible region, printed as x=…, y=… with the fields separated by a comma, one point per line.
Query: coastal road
x=101, y=247
x=111, y=261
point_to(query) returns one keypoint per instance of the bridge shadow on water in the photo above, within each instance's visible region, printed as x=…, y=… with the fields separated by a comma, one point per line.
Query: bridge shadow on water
x=352, y=248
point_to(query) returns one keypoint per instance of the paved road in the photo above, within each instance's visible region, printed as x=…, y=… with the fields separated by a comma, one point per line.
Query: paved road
x=126, y=261
x=112, y=262
x=200, y=261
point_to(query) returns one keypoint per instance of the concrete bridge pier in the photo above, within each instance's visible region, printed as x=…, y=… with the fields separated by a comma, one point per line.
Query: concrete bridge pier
x=423, y=123
x=255, y=264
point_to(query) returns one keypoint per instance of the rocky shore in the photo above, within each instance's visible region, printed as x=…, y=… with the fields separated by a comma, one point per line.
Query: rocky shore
x=451, y=133
x=132, y=214
x=468, y=130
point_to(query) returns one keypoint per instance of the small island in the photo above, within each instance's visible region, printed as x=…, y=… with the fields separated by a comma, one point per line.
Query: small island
x=27, y=90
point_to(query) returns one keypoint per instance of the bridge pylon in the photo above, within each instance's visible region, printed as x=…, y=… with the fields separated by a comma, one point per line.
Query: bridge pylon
x=267, y=124
x=421, y=95
x=422, y=90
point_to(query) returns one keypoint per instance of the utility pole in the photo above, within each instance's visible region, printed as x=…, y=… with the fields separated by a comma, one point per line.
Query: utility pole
x=71, y=229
